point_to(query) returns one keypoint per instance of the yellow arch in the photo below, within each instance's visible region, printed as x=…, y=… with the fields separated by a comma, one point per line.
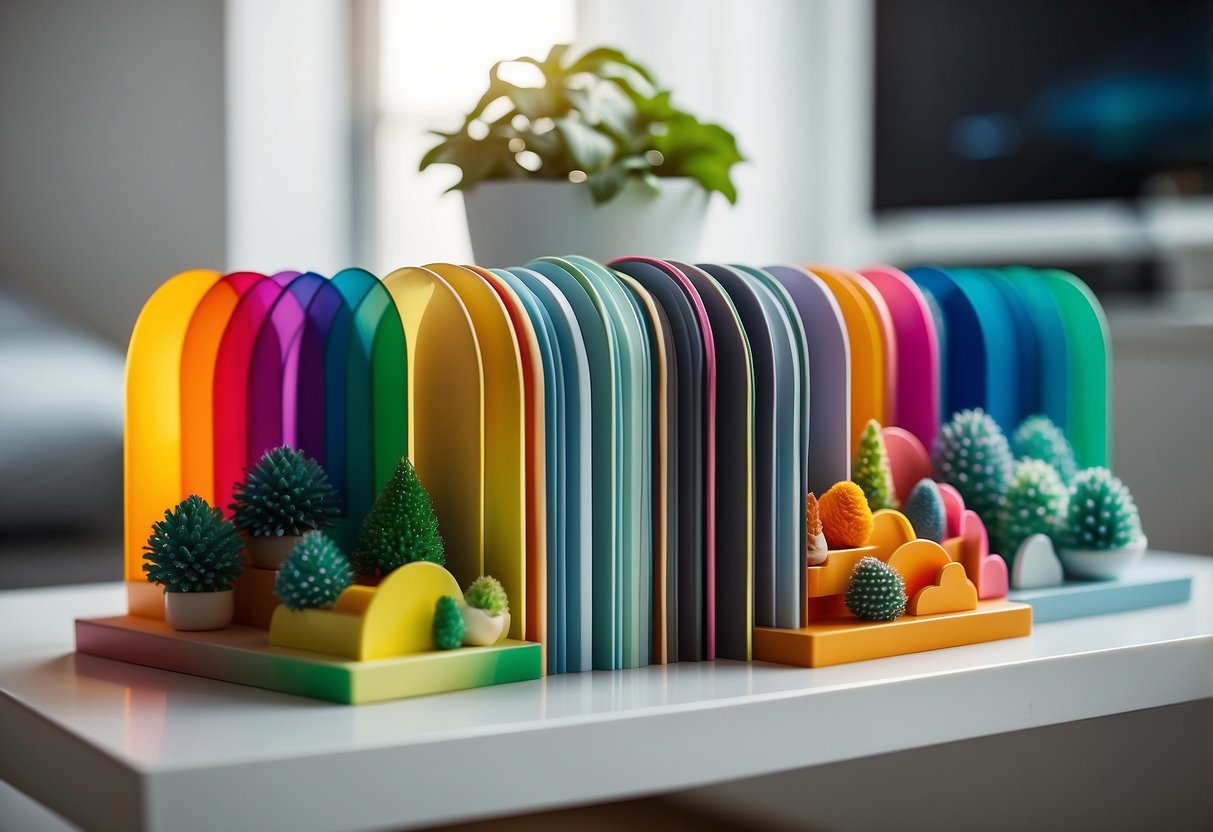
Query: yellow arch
x=152, y=455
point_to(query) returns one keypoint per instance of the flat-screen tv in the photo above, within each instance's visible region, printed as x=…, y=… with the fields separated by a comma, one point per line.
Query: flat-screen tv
x=1005, y=101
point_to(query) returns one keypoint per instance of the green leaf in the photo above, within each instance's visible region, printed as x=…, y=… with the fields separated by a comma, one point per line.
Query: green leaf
x=590, y=149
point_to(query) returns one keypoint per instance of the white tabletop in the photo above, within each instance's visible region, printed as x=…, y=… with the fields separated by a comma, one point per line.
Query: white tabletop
x=116, y=746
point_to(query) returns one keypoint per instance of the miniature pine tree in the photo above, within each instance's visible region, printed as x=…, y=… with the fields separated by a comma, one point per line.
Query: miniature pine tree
x=285, y=493
x=314, y=574
x=925, y=510
x=1038, y=438
x=1102, y=514
x=193, y=549
x=871, y=470
x=845, y=516
x=973, y=456
x=876, y=591
x=1035, y=504
x=400, y=528
x=448, y=624
x=486, y=593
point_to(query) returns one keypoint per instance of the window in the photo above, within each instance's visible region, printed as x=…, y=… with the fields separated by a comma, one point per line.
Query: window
x=434, y=60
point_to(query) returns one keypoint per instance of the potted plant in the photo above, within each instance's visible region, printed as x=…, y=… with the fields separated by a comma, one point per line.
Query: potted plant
x=486, y=613
x=195, y=555
x=592, y=159
x=1103, y=535
x=284, y=496
x=314, y=574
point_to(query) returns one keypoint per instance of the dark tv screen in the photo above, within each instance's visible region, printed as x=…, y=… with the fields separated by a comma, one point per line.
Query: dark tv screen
x=1004, y=101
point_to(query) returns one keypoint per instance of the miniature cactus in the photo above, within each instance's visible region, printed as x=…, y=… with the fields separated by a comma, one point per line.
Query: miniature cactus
x=486, y=593
x=845, y=516
x=871, y=470
x=314, y=574
x=925, y=510
x=285, y=493
x=448, y=624
x=1102, y=514
x=400, y=528
x=1035, y=503
x=876, y=591
x=1038, y=438
x=193, y=549
x=973, y=456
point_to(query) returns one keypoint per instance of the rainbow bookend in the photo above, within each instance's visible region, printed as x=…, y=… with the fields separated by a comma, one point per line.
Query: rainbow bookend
x=623, y=463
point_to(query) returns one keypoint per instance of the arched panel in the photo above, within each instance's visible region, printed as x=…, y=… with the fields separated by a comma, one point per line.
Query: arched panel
x=1001, y=396
x=152, y=438
x=198, y=357
x=1052, y=341
x=916, y=383
x=505, y=542
x=829, y=453
x=866, y=339
x=446, y=411
x=964, y=355
x=1027, y=343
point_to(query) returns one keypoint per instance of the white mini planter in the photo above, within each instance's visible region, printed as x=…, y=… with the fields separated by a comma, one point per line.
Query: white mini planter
x=1101, y=564
x=198, y=610
x=481, y=629
x=270, y=552
x=514, y=221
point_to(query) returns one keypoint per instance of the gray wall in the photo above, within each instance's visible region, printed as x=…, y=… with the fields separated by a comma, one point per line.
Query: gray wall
x=111, y=151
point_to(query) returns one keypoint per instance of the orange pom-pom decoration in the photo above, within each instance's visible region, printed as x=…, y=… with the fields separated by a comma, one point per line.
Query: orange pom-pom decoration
x=845, y=516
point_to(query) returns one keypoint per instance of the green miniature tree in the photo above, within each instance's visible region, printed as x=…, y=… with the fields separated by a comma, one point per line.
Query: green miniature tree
x=871, y=470
x=974, y=457
x=1102, y=514
x=486, y=593
x=285, y=493
x=925, y=510
x=193, y=549
x=400, y=528
x=448, y=624
x=1035, y=503
x=1038, y=438
x=314, y=574
x=876, y=591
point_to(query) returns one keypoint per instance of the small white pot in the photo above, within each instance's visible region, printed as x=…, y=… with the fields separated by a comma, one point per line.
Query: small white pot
x=514, y=221
x=481, y=629
x=190, y=611
x=1101, y=564
x=270, y=552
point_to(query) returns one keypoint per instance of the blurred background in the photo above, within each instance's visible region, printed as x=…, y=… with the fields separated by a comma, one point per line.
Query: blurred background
x=144, y=137
x=140, y=138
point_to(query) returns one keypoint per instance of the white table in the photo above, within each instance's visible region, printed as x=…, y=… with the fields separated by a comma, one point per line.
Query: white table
x=115, y=746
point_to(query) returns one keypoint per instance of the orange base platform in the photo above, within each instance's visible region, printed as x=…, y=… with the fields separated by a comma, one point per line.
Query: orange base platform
x=847, y=639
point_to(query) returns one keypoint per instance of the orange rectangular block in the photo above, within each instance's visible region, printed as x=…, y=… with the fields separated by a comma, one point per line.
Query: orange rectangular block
x=847, y=639
x=254, y=598
x=832, y=577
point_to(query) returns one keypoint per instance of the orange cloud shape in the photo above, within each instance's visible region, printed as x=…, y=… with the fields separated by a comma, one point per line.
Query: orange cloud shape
x=951, y=592
x=918, y=562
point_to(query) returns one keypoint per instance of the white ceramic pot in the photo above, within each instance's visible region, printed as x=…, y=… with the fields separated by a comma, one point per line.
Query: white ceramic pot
x=511, y=222
x=481, y=629
x=198, y=610
x=270, y=552
x=1101, y=564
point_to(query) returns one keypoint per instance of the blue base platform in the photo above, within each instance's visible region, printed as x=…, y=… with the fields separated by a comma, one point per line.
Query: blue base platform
x=1143, y=585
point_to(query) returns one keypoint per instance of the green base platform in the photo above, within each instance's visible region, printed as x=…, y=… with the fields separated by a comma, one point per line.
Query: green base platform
x=242, y=655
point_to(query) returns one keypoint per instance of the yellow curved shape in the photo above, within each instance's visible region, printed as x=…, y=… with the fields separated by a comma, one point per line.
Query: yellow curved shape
x=446, y=403
x=890, y=531
x=919, y=562
x=395, y=618
x=504, y=506
x=867, y=349
x=951, y=591
x=888, y=339
x=536, y=625
x=152, y=456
